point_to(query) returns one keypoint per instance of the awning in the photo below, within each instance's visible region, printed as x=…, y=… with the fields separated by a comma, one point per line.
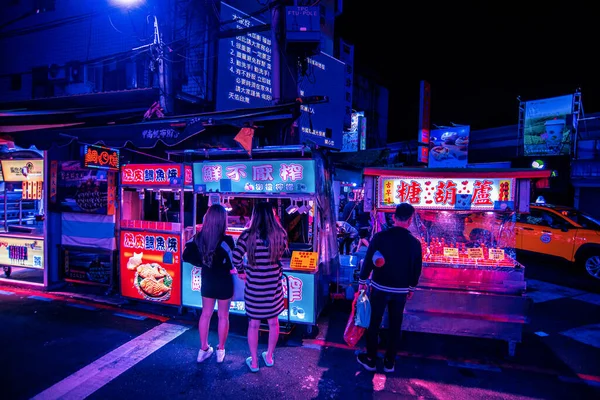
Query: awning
x=459, y=172
x=168, y=131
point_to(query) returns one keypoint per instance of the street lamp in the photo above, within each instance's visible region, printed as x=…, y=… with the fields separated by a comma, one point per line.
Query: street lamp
x=127, y=3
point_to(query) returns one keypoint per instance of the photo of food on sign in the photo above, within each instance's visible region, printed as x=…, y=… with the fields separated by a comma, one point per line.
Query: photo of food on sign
x=448, y=147
x=151, y=280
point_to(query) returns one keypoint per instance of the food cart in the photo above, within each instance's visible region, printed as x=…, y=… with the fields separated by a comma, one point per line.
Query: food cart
x=471, y=283
x=299, y=186
x=22, y=234
x=157, y=218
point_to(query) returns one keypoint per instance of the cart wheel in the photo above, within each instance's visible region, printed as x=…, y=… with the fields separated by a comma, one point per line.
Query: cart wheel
x=7, y=271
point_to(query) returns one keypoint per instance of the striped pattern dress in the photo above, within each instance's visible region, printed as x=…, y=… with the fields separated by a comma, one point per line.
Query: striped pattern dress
x=264, y=289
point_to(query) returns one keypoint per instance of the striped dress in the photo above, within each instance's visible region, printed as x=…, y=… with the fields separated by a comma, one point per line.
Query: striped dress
x=264, y=289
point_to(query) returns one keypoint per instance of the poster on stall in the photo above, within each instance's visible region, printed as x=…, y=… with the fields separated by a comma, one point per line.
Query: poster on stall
x=83, y=190
x=154, y=175
x=150, y=265
x=88, y=266
x=22, y=252
x=22, y=170
x=301, y=296
x=546, y=131
x=448, y=147
x=265, y=176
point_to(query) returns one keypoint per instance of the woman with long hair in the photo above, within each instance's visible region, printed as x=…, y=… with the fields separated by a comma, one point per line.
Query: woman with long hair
x=211, y=250
x=263, y=242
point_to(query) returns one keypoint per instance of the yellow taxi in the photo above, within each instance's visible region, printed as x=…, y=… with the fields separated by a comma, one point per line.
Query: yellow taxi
x=560, y=231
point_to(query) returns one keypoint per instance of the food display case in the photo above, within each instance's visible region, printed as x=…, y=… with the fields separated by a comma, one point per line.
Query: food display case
x=22, y=223
x=157, y=214
x=297, y=189
x=471, y=283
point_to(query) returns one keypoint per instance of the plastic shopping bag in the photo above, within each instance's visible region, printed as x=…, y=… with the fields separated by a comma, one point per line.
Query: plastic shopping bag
x=363, y=310
x=353, y=333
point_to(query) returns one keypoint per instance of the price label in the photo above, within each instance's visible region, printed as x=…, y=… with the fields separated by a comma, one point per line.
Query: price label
x=304, y=260
x=496, y=254
x=475, y=253
x=451, y=252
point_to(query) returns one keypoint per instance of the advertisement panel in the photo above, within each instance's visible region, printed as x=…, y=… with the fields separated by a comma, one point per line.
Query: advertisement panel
x=149, y=266
x=22, y=252
x=88, y=266
x=268, y=176
x=244, y=70
x=23, y=170
x=81, y=189
x=546, y=131
x=100, y=157
x=152, y=174
x=322, y=123
x=352, y=140
x=476, y=193
x=301, y=296
x=448, y=147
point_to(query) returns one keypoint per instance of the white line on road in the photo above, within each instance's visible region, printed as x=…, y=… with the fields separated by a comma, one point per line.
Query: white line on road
x=97, y=374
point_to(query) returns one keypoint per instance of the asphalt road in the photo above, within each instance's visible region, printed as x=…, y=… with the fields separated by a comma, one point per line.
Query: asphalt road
x=60, y=347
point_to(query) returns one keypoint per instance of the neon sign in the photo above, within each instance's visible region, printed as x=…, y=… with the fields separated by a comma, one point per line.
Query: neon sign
x=100, y=157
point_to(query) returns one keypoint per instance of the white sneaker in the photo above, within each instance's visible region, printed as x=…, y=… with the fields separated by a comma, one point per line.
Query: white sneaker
x=204, y=354
x=220, y=355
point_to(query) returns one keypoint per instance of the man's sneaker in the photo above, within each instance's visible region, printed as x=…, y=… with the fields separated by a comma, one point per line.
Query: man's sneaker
x=204, y=354
x=388, y=365
x=366, y=362
x=220, y=355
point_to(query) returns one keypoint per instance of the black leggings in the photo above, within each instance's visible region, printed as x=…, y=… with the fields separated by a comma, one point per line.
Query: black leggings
x=347, y=244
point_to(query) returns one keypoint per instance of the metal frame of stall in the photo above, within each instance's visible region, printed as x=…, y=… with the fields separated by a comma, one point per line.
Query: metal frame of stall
x=465, y=300
x=324, y=272
x=150, y=244
x=23, y=236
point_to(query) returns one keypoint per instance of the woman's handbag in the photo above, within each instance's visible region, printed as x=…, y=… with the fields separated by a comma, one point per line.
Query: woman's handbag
x=238, y=287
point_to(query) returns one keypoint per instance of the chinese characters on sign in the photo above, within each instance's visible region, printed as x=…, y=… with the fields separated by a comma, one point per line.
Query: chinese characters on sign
x=295, y=293
x=23, y=170
x=153, y=242
x=471, y=193
x=168, y=133
x=257, y=176
x=100, y=157
x=151, y=174
x=245, y=62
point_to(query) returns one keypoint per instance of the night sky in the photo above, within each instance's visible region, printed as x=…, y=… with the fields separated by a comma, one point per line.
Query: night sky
x=476, y=61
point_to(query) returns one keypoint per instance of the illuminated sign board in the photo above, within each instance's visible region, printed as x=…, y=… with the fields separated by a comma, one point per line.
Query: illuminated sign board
x=22, y=252
x=150, y=266
x=447, y=194
x=268, y=176
x=546, y=129
x=323, y=123
x=245, y=63
x=301, y=296
x=154, y=175
x=100, y=157
x=23, y=170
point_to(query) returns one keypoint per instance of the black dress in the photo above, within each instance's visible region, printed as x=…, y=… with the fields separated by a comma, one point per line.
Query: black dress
x=217, y=282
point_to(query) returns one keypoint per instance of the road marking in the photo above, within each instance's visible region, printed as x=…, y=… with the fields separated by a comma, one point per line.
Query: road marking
x=540, y=291
x=82, y=306
x=588, y=334
x=97, y=374
x=482, y=367
x=130, y=316
x=589, y=298
x=42, y=298
x=542, y=334
x=4, y=292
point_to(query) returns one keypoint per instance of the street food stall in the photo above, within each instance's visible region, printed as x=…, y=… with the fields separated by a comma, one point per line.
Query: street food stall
x=299, y=188
x=157, y=218
x=471, y=283
x=22, y=231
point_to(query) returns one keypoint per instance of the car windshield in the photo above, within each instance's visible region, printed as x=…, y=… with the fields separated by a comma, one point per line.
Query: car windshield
x=585, y=220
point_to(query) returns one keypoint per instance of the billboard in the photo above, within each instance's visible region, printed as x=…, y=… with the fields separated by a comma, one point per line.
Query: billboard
x=244, y=70
x=22, y=252
x=546, y=131
x=323, y=123
x=448, y=147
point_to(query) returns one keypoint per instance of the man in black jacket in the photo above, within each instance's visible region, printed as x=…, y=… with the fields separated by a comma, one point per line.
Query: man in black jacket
x=391, y=284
